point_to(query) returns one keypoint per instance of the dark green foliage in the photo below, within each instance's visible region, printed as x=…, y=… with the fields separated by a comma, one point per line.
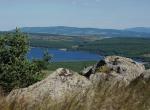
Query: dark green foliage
x=47, y=57
x=15, y=70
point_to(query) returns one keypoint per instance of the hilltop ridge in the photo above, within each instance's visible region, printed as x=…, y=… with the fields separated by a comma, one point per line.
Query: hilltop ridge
x=140, y=29
x=75, y=31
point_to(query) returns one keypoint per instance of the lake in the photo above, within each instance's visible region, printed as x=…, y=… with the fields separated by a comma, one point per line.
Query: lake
x=62, y=55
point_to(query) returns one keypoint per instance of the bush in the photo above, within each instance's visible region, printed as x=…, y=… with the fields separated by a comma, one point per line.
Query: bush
x=42, y=65
x=15, y=70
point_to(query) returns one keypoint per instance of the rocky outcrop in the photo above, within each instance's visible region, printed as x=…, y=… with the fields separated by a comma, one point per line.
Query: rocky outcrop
x=114, y=68
x=56, y=86
x=146, y=74
x=64, y=82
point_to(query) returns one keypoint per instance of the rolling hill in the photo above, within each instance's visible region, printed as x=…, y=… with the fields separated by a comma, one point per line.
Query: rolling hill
x=74, y=31
x=139, y=29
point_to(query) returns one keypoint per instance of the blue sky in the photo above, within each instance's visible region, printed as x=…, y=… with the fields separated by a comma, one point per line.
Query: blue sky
x=117, y=14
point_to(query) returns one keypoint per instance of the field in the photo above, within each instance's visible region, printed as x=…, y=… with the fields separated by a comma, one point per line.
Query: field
x=75, y=66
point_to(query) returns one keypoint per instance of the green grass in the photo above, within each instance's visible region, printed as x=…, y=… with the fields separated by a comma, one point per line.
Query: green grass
x=75, y=66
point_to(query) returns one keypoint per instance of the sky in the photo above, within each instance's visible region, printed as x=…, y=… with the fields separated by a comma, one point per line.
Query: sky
x=114, y=14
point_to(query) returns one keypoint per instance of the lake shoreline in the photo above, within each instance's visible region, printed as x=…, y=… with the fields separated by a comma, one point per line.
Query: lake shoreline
x=101, y=54
x=63, y=56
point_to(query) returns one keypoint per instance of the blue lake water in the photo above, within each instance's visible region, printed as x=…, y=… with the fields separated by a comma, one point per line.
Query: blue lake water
x=60, y=55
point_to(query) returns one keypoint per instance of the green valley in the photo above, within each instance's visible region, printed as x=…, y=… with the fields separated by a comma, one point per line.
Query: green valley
x=136, y=48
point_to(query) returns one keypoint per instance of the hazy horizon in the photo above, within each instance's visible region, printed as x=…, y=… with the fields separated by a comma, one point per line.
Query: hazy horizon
x=74, y=27
x=108, y=14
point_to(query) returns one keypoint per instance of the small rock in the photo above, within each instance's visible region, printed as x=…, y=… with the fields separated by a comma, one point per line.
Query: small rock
x=87, y=71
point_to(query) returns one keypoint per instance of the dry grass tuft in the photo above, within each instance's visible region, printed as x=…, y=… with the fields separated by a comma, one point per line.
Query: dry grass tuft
x=136, y=96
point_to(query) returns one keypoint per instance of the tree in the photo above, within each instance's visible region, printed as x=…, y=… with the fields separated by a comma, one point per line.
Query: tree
x=15, y=70
x=43, y=63
x=47, y=57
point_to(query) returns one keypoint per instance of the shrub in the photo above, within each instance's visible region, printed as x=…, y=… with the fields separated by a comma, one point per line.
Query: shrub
x=15, y=70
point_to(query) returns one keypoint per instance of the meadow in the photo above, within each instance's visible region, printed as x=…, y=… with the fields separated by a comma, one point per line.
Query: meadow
x=75, y=66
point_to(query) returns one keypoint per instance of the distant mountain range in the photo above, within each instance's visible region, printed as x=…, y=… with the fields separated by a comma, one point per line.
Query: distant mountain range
x=74, y=31
x=139, y=29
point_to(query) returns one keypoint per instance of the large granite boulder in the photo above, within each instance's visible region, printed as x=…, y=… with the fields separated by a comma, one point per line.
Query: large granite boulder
x=146, y=75
x=56, y=86
x=114, y=68
x=62, y=83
